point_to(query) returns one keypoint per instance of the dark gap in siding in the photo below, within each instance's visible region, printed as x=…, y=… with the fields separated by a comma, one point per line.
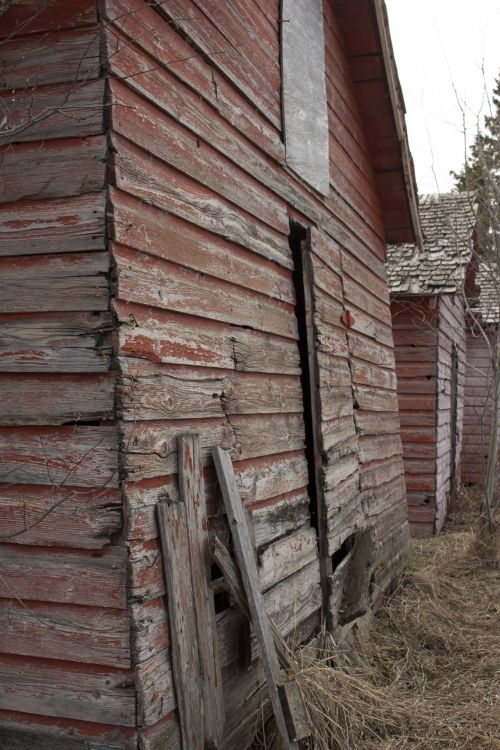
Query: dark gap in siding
x=297, y=238
x=342, y=552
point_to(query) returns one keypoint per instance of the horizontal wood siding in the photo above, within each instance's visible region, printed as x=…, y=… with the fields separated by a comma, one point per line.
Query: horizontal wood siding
x=477, y=406
x=415, y=321
x=148, y=290
x=65, y=659
x=205, y=302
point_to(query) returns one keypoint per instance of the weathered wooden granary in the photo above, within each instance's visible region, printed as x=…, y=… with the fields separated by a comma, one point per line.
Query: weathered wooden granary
x=481, y=352
x=196, y=199
x=428, y=287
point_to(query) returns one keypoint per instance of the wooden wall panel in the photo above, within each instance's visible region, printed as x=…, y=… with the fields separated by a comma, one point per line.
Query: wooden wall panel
x=65, y=644
x=415, y=321
x=184, y=174
x=477, y=406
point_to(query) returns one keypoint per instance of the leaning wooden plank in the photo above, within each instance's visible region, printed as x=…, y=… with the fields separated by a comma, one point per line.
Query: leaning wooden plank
x=295, y=712
x=193, y=495
x=245, y=555
x=234, y=583
x=181, y=610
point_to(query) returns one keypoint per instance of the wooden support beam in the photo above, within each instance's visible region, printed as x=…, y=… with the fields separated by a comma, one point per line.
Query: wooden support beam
x=248, y=568
x=181, y=611
x=193, y=496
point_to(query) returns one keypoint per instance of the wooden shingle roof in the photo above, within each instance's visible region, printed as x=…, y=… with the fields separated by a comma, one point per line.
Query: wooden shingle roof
x=486, y=306
x=447, y=221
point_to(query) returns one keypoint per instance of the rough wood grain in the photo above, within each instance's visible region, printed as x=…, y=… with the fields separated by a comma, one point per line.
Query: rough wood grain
x=61, y=57
x=52, y=169
x=182, y=618
x=42, y=399
x=172, y=338
x=93, y=694
x=96, y=578
x=159, y=233
x=59, y=225
x=68, y=110
x=75, y=456
x=285, y=556
x=55, y=342
x=42, y=516
x=193, y=496
x=147, y=280
x=248, y=570
x=53, y=283
x=80, y=634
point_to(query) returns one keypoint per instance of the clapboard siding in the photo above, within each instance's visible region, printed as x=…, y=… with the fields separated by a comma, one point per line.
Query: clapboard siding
x=426, y=330
x=477, y=404
x=415, y=322
x=149, y=290
x=65, y=640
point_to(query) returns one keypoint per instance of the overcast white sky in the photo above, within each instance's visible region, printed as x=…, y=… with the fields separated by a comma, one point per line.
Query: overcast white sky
x=439, y=44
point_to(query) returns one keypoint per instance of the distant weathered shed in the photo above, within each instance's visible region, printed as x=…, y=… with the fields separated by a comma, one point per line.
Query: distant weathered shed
x=427, y=286
x=181, y=255
x=481, y=353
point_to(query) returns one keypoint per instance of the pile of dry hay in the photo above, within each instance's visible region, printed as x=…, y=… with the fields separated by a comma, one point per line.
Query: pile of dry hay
x=429, y=675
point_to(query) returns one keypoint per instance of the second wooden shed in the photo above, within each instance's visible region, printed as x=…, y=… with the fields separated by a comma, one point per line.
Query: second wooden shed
x=427, y=287
x=482, y=345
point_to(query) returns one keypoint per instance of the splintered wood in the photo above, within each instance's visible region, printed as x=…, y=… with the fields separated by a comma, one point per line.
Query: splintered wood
x=184, y=536
x=248, y=569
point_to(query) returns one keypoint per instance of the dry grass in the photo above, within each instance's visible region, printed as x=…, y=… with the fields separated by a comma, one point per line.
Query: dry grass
x=429, y=675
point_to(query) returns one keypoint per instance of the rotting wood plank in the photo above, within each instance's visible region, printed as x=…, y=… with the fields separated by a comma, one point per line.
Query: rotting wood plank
x=148, y=280
x=42, y=399
x=54, y=283
x=93, y=577
x=53, y=631
x=68, y=110
x=53, y=516
x=245, y=555
x=55, y=688
x=159, y=233
x=174, y=338
x=73, y=224
x=52, y=169
x=141, y=23
x=181, y=609
x=236, y=67
x=55, y=342
x=64, y=457
x=152, y=446
x=140, y=173
x=193, y=496
x=60, y=57
x=30, y=16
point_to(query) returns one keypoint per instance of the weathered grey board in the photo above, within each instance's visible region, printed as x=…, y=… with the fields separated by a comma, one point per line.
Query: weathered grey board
x=304, y=92
x=181, y=610
x=245, y=555
x=192, y=493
